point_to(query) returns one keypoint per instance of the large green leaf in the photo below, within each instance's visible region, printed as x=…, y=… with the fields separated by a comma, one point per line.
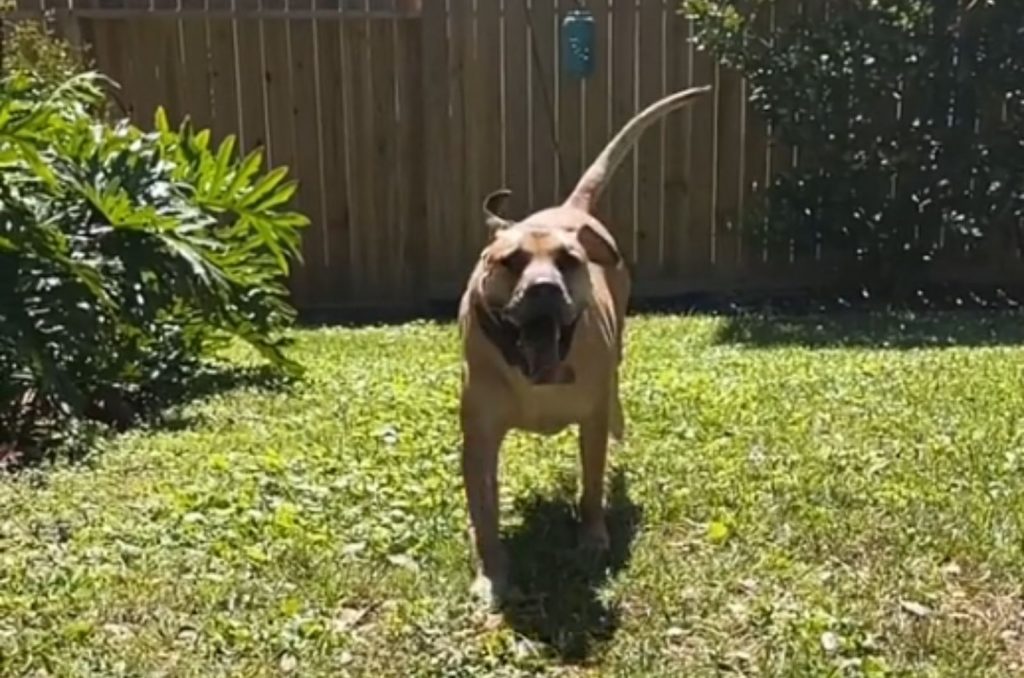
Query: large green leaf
x=156, y=246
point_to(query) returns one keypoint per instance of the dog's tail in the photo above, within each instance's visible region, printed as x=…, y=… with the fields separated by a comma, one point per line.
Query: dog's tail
x=594, y=180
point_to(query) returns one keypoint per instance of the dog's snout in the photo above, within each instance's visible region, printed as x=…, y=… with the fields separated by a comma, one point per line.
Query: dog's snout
x=544, y=297
x=541, y=298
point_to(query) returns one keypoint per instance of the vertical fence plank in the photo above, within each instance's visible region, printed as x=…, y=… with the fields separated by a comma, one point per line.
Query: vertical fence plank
x=597, y=108
x=223, y=78
x=542, y=106
x=172, y=78
x=120, y=64
x=109, y=57
x=570, y=127
x=730, y=167
x=137, y=74
x=650, y=174
x=756, y=168
x=945, y=99
x=473, y=111
x=968, y=114
x=701, y=250
x=488, y=111
x=781, y=156
x=33, y=6
x=334, y=177
x=459, y=18
x=412, y=198
x=251, y=83
x=279, y=96
x=144, y=48
x=132, y=72
x=678, y=147
x=83, y=29
x=194, y=57
x=517, y=112
x=71, y=28
x=435, y=119
x=806, y=244
x=305, y=105
x=948, y=104
x=623, y=220
x=278, y=86
x=359, y=132
x=384, y=180
x=828, y=251
x=755, y=149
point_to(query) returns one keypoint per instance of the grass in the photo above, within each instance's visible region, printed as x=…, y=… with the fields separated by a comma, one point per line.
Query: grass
x=794, y=498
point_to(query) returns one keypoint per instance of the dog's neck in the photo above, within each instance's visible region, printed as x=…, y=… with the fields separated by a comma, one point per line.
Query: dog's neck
x=505, y=337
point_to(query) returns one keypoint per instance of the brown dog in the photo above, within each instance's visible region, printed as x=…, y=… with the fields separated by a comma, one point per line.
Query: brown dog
x=541, y=322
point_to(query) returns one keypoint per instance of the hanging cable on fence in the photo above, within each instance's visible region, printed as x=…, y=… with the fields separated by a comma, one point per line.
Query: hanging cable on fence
x=548, y=103
x=578, y=59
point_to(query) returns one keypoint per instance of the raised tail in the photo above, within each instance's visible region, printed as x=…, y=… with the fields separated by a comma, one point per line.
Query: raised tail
x=594, y=180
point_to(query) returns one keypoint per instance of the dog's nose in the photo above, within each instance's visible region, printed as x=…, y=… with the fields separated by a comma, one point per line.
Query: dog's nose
x=544, y=289
x=542, y=298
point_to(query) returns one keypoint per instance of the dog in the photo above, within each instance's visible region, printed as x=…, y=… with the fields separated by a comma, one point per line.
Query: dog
x=541, y=326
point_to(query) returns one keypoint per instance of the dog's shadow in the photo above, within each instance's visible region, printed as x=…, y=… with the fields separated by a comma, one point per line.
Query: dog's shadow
x=559, y=585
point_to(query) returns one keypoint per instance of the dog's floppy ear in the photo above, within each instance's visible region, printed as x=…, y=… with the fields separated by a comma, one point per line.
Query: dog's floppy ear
x=492, y=209
x=599, y=247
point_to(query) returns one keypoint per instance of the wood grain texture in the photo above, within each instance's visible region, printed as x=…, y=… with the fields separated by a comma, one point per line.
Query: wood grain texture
x=650, y=147
x=624, y=107
x=398, y=116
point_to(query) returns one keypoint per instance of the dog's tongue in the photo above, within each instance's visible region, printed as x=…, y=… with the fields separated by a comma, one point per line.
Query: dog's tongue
x=538, y=341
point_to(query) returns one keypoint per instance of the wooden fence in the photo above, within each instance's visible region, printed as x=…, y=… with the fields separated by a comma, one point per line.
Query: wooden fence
x=398, y=116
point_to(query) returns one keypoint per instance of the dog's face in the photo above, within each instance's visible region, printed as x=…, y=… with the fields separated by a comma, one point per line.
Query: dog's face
x=536, y=278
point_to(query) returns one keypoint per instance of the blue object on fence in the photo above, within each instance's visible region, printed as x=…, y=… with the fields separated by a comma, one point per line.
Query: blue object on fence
x=578, y=30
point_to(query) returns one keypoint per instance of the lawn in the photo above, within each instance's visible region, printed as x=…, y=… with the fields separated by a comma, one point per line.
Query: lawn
x=802, y=497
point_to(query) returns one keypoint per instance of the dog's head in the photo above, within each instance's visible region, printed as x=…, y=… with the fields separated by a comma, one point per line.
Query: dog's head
x=536, y=279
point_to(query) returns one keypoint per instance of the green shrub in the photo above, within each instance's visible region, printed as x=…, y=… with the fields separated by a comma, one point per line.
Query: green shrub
x=32, y=45
x=126, y=256
x=892, y=190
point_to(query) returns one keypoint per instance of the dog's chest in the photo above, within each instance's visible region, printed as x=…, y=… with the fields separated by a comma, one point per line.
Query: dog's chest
x=549, y=409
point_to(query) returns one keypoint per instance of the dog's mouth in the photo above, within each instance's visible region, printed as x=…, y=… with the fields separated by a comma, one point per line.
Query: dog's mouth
x=538, y=344
x=537, y=347
x=543, y=343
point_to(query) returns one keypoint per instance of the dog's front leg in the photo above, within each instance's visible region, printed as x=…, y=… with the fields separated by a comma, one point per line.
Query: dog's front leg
x=593, y=455
x=480, y=446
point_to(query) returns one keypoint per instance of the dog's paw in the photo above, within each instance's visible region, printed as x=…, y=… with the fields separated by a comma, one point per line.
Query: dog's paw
x=594, y=536
x=490, y=592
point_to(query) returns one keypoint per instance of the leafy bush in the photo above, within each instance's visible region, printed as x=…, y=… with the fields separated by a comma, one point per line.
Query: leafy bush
x=32, y=45
x=126, y=257
x=894, y=189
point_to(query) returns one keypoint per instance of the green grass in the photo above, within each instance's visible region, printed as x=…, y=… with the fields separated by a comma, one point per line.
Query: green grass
x=793, y=498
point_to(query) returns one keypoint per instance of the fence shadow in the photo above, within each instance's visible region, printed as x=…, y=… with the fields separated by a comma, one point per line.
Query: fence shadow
x=559, y=604
x=877, y=330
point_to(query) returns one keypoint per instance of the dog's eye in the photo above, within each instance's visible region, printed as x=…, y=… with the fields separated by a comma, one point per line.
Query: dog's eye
x=516, y=261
